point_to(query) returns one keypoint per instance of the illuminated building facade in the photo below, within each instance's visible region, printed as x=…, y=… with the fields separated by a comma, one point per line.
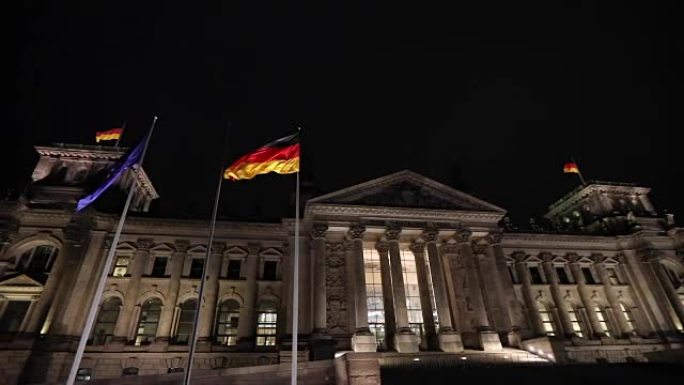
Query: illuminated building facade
x=400, y=266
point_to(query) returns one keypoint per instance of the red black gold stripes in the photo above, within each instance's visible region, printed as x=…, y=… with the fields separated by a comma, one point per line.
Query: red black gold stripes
x=281, y=156
x=112, y=134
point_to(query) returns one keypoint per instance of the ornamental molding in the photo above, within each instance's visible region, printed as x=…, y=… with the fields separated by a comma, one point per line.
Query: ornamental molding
x=318, y=230
x=335, y=247
x=392, y=233
x=430, y=235
x=356, y=231
x=404, y=212
x=382, y=246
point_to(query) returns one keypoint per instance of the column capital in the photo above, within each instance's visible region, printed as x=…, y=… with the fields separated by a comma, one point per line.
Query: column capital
x=253, y=248
x=462, y=235
x=144, y=243
x=430, y=235
x=449, y=248
x=519, y=257
x=546, y=257
x=382, y=246
x=479, y=247
x=417, y=247
x=392, y=233
x=493, y=238
x=181, y=245
x=356, y=231
x=318, y=230
x=217, y=248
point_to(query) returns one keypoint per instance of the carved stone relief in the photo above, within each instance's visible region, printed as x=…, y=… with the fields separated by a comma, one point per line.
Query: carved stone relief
x=336, y=295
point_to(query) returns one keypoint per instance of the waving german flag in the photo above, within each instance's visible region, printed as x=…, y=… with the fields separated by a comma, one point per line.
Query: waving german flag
x=112, y=134
x=281, y=156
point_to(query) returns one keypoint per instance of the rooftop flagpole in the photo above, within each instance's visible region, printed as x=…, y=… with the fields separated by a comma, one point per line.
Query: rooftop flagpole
x=295, y=281
x=200, y=300
x=95, y=304
x=579, y=172
x=123, y=129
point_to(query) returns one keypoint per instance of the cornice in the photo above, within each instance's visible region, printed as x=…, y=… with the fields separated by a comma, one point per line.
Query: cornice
x=89, y=152
x=402, y=212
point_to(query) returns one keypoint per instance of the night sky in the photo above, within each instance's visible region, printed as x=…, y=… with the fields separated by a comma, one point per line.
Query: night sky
x=489, y=98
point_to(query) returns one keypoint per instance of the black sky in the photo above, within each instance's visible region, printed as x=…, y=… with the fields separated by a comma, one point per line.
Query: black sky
x=490, y=98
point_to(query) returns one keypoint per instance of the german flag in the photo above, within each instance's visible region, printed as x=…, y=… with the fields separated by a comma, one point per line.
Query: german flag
x=112, y=134
x=281, y=156
x=571, y=167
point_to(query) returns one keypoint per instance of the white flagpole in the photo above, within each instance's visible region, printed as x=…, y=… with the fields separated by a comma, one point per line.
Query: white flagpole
x=295, y=283
x=193, y=340
x=95, y=304
x=579, y=172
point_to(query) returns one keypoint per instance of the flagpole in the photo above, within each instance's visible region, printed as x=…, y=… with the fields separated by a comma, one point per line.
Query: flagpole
x=95, y=304
x=193, y=339
x=579, y=172
x=295, y=283
x=123, y=129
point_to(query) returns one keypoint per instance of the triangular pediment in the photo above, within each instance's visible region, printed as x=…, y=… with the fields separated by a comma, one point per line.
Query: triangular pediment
x=22, y=280
x=407, y=189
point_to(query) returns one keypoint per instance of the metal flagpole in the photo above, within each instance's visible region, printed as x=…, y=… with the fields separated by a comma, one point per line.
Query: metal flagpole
x=193, y=340
x=295, y=282
x=95, y=304
x=123, y=129
x=579, y=172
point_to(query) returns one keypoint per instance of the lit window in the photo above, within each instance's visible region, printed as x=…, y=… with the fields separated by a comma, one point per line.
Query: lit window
x=149, y=320
x=227, y=323
x=629, y=319
x=13, y=316
x=186, y=320
x=374, y=298
x=159, y=267
x=103, y=332
x=603, y=321
x=413, y=305
x=547, y=319
x=267, y=324
x=121, y=266
x=84, y=374
x=577, y=325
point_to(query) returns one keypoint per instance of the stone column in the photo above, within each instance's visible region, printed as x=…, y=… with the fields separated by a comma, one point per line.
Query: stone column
x=166, y=320
x=586, y=299
x=672, y=295
x=320, y=303
x=484, y=300
x=211, y=285
x=127, y=316
x=388, y=298
x=418, y=250
x=557, y=296
x=624, y=329
x=405, y=341
x=448, y=338
x=528, y=296
x=247, y=325
x=363, y=340
x=49, y=301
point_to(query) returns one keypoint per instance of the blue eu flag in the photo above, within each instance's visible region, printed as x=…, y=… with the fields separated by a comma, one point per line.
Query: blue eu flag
x=132, y=158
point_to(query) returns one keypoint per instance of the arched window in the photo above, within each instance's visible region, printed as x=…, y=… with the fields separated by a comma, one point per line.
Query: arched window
x=602, y=319
x=38, y=260
x=629, y=318
x=577, y=324
x=267, y=320
x=149, y=320
x=227, y=323
x=547, y=319
x=186, y=319
x=106, y=321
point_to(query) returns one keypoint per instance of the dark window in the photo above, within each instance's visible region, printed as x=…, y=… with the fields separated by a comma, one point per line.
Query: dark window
x=270, y=270
x=562, y=275
x=38, y=260
x=511, y=273
x=601, y=360
x=103, y=332
x=674, y=278
x=613, y=276
x=175, y=370
x=535, y=275
x=588, y=276
x=130, y=371
x=83, y=374
x=13, y=316
x=234, y=268
x=196, y=268
x=159, y=267
x=185, y=321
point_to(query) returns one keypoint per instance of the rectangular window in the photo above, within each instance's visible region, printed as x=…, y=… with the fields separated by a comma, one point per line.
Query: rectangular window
x=121, y=266
x=270, y=270
x=512, y=273
x=562, y=275
x=588, y=276
x=613, y=276
x=431, y=289
x=159, y=267
x=535, y=275
x=196, y=268
x=576, y=324
x=234, y=266
x=413, y=305
x=374, y=298
x=14, y=314
x=603, y=322
x=266, y=328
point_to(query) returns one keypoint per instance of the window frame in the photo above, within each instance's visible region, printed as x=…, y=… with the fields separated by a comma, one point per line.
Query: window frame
x=227, y=338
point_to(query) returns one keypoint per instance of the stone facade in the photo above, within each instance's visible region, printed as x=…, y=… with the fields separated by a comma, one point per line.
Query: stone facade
x=400, y=265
